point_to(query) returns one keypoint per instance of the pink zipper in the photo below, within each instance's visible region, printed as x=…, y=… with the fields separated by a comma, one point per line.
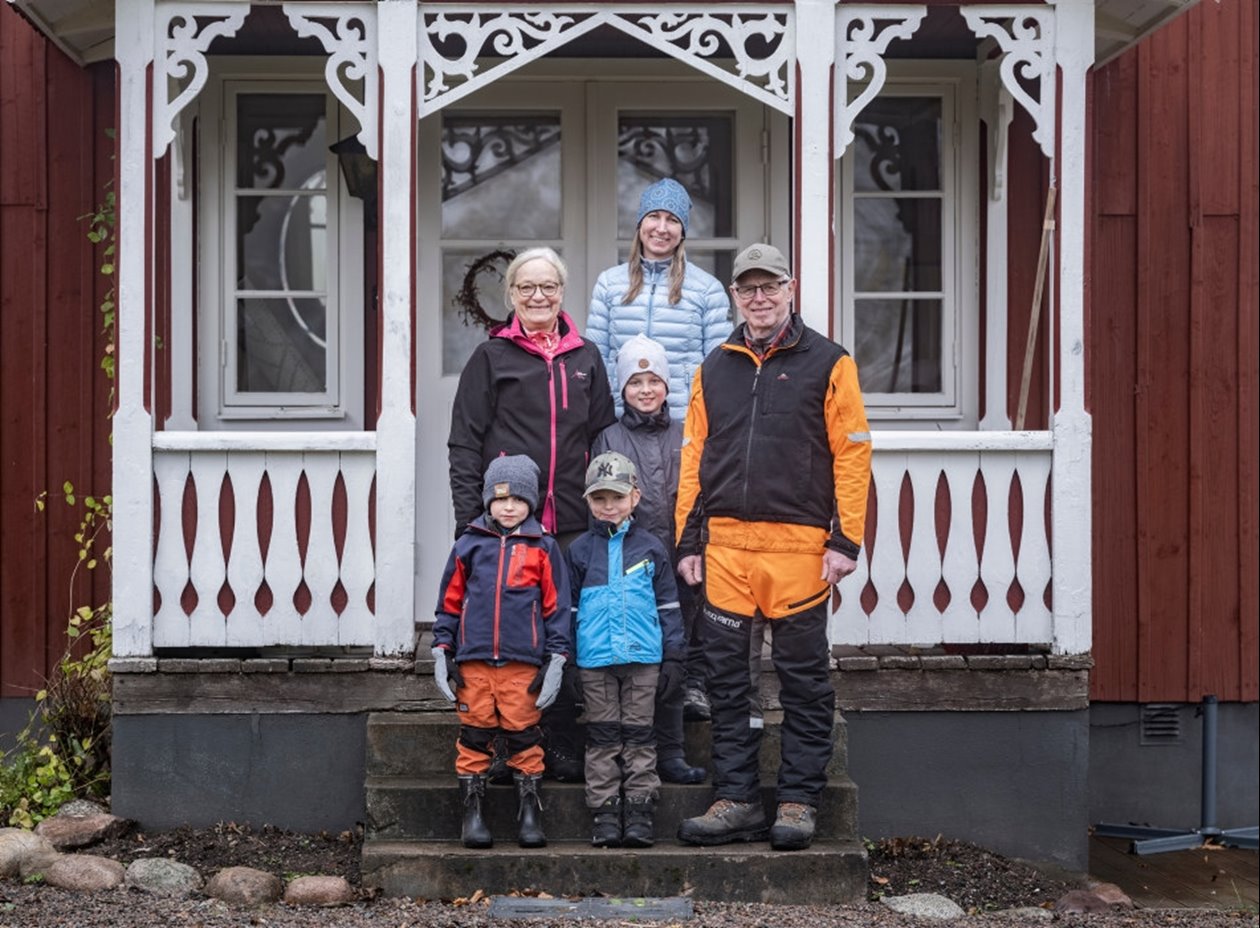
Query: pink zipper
x=564, y=386
x=549, y=508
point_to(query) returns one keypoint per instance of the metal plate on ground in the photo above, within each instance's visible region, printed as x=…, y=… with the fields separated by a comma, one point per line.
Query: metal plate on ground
x=625, y=909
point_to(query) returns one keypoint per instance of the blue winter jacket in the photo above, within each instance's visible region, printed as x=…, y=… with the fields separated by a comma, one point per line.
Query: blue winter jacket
x=504, y=597
x=625, y=602
x=687, y=330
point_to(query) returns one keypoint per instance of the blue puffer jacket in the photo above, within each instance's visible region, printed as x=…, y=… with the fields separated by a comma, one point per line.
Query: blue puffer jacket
x=687, y=330
x=624, y=598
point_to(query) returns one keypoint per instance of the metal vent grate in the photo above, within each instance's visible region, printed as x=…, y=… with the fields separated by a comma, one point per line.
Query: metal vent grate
x=1161, y=723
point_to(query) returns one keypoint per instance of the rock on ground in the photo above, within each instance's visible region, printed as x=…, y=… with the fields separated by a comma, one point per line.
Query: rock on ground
x=925, y=905
x=1028, y=913
x=244, y=886
x=163, y=877
x=318, y=890
x=67, y=831
x=23, y=852
x=1101, y=897
x=84, y=873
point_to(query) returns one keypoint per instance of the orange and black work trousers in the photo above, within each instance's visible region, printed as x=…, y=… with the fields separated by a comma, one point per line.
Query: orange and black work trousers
x=785, y=588
x=495, y=699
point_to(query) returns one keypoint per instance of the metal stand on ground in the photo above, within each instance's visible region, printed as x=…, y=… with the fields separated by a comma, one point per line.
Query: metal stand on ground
x=1147, y=840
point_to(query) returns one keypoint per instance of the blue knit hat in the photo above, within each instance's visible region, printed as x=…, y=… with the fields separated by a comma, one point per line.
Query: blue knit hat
x=669, y=195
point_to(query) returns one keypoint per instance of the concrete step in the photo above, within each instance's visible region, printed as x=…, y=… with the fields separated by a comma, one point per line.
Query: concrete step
x=423, y=744
x=428, y=808
x=829, y=873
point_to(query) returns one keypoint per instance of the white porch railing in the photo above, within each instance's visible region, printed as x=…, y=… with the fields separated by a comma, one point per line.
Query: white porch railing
x=957, y=547
x=263, y=539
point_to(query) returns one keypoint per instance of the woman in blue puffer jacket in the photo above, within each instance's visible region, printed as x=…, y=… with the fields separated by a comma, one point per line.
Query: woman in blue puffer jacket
x=660, y=294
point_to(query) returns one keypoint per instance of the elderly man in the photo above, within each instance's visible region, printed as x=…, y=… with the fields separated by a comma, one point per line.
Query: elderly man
x=771, y=505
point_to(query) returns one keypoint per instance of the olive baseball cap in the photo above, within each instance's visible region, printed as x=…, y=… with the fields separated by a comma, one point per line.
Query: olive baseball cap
x=760, y=257
x=611, y=471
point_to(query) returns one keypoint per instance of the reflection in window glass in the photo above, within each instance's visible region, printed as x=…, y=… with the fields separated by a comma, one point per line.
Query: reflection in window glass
x=898, y=345
x=281, y=345
x=281, y=139
x=501, y=176
x=898, y=144
x=897, y=244
x=694, y=150
x=282, y=242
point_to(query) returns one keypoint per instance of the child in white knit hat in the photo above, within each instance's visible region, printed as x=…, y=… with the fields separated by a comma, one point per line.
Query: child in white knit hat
x=648, y=436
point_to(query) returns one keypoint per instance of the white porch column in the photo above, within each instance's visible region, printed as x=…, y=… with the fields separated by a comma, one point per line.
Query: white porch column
x=1071, y=513
x=396, y=426
x=133, y=420
x=813, y=244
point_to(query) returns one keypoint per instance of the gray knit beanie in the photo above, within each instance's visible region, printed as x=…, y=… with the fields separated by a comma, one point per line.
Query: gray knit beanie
x=669, y=195
x=513, y=475
x=641, y=355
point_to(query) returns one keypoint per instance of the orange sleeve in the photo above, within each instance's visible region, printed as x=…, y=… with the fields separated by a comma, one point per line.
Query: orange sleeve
x=688, y=512
x=850, y=440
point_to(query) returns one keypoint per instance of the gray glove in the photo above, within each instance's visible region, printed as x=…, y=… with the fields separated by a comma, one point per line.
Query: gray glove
x=547, y=682
x=446, y=673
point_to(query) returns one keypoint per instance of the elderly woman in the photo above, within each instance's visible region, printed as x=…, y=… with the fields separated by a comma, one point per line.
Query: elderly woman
x=660, y=294
x=534, y=387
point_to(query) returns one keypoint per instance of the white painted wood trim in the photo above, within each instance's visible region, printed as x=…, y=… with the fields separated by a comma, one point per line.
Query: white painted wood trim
x=396, y=428
x=860, y=46
x=265, y=441
x=997, y=111
x=1071, y=512
x=889, y=441
x=132, y=476
x=815, y=55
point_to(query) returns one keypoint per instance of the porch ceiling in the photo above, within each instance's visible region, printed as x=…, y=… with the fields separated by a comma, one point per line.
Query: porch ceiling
x=84, y=29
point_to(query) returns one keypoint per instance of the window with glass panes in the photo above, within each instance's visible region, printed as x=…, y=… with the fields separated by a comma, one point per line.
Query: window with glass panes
x=280, y=330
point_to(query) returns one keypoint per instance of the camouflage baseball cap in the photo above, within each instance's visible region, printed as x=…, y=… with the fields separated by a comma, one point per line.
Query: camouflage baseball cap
x=611, y=471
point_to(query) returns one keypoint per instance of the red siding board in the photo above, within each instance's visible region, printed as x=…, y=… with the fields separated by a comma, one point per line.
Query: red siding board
x=1173, y=328
x=1027, y=186
x=52, y=396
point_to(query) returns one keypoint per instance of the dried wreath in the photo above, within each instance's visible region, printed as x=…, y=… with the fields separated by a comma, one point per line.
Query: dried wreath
x=467, y=300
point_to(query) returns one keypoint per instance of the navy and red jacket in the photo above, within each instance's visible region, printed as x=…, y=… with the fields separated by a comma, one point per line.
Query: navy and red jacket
x=512, y=399
x=504, y=597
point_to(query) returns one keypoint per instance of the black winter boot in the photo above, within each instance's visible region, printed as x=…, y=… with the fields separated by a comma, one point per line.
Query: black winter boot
x=529, y=814
x=640, y=828
x=472, y=790
x=606, y=824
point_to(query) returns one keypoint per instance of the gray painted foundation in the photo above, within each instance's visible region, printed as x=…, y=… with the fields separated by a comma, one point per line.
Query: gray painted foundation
x=15, y=712
x=1014, y=782
x=302, y=772
x=1159, y=784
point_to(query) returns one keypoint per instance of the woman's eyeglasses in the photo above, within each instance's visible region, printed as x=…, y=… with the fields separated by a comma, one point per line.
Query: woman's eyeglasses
x=746, y=291
x=528, y=290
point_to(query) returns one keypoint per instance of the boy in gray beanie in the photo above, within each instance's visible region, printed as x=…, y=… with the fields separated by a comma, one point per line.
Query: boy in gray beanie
x=504, y=578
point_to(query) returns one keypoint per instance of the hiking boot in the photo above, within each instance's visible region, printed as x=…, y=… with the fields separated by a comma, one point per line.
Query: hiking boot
x=696, y=705
x=793, y=828
x=475, y=833
x=640, y=830
x=529, y=812
x=725, y=822
x=606, y=824
x=677, y=770
x=561, y=764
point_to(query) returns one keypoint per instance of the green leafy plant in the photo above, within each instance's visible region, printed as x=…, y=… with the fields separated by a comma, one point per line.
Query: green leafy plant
x=102, y=223
x=64, y=750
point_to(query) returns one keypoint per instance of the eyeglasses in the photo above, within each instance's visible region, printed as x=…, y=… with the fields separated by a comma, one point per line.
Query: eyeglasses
x=746, y=291
x=548, y=289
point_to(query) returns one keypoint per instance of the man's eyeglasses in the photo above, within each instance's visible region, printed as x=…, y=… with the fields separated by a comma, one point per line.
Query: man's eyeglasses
x=746, y=291
x=528, y=290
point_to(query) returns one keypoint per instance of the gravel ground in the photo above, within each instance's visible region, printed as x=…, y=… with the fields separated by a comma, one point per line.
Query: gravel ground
x=979, y=881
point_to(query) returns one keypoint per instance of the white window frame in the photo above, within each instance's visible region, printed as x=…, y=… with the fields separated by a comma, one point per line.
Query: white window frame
x=219, y=405
x=957, y=404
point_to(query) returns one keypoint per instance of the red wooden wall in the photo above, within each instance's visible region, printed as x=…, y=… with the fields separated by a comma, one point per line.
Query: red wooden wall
x=1172, y=362
x=54, y=164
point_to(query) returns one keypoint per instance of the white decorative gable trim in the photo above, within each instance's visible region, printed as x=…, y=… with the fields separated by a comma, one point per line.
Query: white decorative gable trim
x=863, y=34
x=183, y=32
x=348, y=34
x=451, y=42
x=1026, y=36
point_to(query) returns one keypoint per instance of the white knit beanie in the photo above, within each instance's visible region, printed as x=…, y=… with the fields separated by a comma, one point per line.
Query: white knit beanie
x=641, y=355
